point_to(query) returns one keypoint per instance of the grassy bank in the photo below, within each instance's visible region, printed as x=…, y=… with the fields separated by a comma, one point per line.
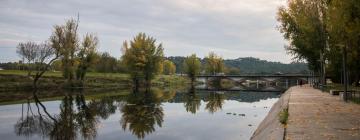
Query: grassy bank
x=18, y=80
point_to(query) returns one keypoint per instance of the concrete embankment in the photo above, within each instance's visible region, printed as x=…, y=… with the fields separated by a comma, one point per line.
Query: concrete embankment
x=271, y=128
x=313, y=115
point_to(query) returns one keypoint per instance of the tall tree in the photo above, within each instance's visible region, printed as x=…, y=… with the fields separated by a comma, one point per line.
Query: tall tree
x=192, y=67
x=344, y=28
x=143, y=58
x=87, y=55
x=303, y=24
x=65, y=38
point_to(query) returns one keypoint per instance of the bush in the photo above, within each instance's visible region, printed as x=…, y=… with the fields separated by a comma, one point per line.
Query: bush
x=283, y=116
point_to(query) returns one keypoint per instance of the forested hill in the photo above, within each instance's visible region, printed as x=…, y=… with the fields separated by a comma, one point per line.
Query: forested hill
x=255, y=65
x=252, y=65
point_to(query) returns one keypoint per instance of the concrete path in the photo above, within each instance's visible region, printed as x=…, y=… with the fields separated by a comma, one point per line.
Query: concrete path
x=316, y=115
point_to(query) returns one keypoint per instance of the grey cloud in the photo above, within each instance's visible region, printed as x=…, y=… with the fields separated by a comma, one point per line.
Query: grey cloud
x=184, y=27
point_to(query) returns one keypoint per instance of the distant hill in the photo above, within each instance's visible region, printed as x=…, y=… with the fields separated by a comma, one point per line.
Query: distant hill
x=251, y=65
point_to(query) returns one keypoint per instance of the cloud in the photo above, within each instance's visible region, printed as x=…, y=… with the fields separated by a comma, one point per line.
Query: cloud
x=232, y=28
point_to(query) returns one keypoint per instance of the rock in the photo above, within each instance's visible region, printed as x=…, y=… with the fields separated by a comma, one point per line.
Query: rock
x=242, y=115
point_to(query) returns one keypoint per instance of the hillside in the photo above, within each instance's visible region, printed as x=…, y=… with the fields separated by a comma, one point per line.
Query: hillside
x=252, y=65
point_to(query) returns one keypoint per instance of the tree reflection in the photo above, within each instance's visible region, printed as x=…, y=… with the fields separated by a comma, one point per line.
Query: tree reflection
x=215, y=102
x=32, y=123
x=191, y=101
x=75, y=116
x=142, y=112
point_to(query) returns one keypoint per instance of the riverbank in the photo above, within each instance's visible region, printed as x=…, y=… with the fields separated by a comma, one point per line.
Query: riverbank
x=18, y=81
x=312, y=115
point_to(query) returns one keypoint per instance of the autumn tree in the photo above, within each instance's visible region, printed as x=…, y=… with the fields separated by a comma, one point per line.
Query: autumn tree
x=192, y=67
x=143, y=58
x=214, y=64
x=86, y=55
x=76, y=57
x=169, y=67
x=65, y=38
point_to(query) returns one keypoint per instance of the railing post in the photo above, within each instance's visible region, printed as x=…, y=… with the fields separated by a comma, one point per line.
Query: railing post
x=287, y=83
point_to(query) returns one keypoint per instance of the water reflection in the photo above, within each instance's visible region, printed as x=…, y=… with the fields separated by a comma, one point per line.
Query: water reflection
x=32, y=123
x=76, y=116
x=215, y=101
x=141, y=112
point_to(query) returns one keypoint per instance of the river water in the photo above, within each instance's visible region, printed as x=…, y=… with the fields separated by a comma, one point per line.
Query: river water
x=153, y=114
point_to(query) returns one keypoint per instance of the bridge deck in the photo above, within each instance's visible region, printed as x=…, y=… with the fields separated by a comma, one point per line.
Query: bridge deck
x=255, y=76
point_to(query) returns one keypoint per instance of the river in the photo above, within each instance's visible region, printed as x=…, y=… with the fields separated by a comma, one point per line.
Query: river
x=153, y=114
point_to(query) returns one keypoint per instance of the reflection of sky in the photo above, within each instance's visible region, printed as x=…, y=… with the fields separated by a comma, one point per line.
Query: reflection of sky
x=178, y=124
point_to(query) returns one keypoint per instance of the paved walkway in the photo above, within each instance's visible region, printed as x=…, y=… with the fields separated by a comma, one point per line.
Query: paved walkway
x=316, y=115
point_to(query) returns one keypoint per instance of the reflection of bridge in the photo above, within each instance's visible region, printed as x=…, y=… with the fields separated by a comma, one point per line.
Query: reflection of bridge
x=257, y=82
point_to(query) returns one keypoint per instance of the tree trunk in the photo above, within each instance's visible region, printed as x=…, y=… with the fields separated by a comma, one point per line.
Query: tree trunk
x=345, y=73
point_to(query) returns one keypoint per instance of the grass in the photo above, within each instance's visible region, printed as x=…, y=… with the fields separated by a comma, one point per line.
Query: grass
x=283, y=116
x=59, y=74
x=17, y=80
x=170, y=80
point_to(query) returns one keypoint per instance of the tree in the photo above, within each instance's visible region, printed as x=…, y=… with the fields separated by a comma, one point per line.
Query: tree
x=344, y=28
x=27, y=51
x=143, y=58
x=169, y=67
x=65, y=39
x=106, y=63
x=192, y=67
x=214, y=64
x=87, y=55
x=41, y=56
x=303, y=24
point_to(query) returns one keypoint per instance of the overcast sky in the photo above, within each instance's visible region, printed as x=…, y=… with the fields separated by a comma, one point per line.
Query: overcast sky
x=230, y=28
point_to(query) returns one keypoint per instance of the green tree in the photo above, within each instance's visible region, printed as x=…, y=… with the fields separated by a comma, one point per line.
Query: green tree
x=303, y=24
x=192, y=67
x=143, y=58
x=344, y=29
x=87, y=55
x=169, y=67
x=214, y=64
x=106, y=63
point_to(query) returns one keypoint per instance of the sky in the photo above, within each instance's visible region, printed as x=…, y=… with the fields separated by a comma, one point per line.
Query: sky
x=230, y=28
